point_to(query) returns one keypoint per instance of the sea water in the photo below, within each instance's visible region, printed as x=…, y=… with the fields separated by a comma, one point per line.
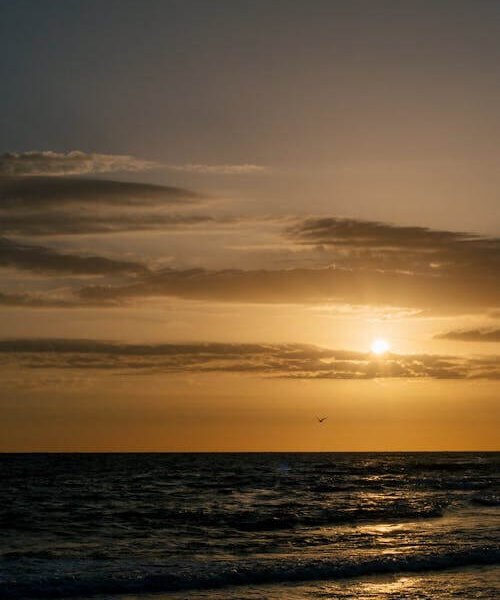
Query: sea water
x=248, y=526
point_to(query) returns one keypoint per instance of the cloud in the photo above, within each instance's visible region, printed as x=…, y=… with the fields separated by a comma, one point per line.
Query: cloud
x=417, y=250
x=297, y=361
x=330, y=260
x=44, y=206
x=28, y=193
x=56, y=164
x=33, y=301
x=49, y=300
x=46, y=260
x=354, y=232
x=245, y=169
x=471, y=335
x=327, y=285
x=53, y=223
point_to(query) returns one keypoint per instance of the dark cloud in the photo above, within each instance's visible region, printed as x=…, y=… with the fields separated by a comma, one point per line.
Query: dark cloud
x=32, y=301
x=52, y=223
x=46, y=260
x=70, y=163
x=471, y=335
x=375, y=264
x=370, y=263
x=48, y=192
x=44, y=206
x=352, y=232
x=49, y=301
x=332, y=285
x=372, y=245
x=275, y=360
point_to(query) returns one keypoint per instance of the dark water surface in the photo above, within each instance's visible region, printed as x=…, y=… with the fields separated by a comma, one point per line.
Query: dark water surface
x=249, y=525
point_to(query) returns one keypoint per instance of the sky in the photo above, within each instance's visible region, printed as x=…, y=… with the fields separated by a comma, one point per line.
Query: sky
x=210, y=211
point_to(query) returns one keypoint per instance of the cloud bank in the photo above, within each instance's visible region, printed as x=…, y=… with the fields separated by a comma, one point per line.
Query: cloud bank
x=296, y=361
x=349, y=261
x=328, y=285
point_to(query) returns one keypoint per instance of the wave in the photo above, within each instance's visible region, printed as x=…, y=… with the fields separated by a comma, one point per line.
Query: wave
x=487, y=500
x=281, y=516
x=189, y=576
x=252, y=521
x=262, y=518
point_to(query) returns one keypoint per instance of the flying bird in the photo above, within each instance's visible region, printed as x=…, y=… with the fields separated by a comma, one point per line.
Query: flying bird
x=320, y=420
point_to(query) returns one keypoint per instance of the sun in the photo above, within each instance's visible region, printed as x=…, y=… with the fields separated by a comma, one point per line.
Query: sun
x=380, y=346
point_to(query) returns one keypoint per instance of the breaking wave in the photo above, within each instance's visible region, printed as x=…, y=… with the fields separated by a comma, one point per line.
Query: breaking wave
x=178, y=577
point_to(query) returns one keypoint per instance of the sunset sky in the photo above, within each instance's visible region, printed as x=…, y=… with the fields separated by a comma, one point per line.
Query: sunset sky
x=210, y=211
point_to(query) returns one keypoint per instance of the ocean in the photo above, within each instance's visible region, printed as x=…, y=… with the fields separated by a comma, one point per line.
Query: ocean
x=250, y=526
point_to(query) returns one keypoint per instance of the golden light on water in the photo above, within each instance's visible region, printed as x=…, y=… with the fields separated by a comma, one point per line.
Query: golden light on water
x=380, y=346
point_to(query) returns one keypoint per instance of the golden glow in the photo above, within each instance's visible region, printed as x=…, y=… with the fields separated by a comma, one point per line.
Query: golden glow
x=380, y=346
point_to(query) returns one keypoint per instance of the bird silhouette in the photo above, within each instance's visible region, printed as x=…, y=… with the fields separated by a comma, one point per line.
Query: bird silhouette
x=320, y=420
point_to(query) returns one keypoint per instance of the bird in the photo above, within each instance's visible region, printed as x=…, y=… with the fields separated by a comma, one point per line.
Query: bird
x=320, y=420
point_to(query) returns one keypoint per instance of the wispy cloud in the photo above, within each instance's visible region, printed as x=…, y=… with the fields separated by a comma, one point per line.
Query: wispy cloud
x=244, y=169
x=308, y=286
x=55, y=164
x=54, y=223
x=372, y=245
x=44, y=206
x=46, y=260
x=471, y=335
x=33, y=301
x=329, y=259
x=76, y=162
x=46, y=301
x=23, y=193
x=335, y=231
x=272, y=360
